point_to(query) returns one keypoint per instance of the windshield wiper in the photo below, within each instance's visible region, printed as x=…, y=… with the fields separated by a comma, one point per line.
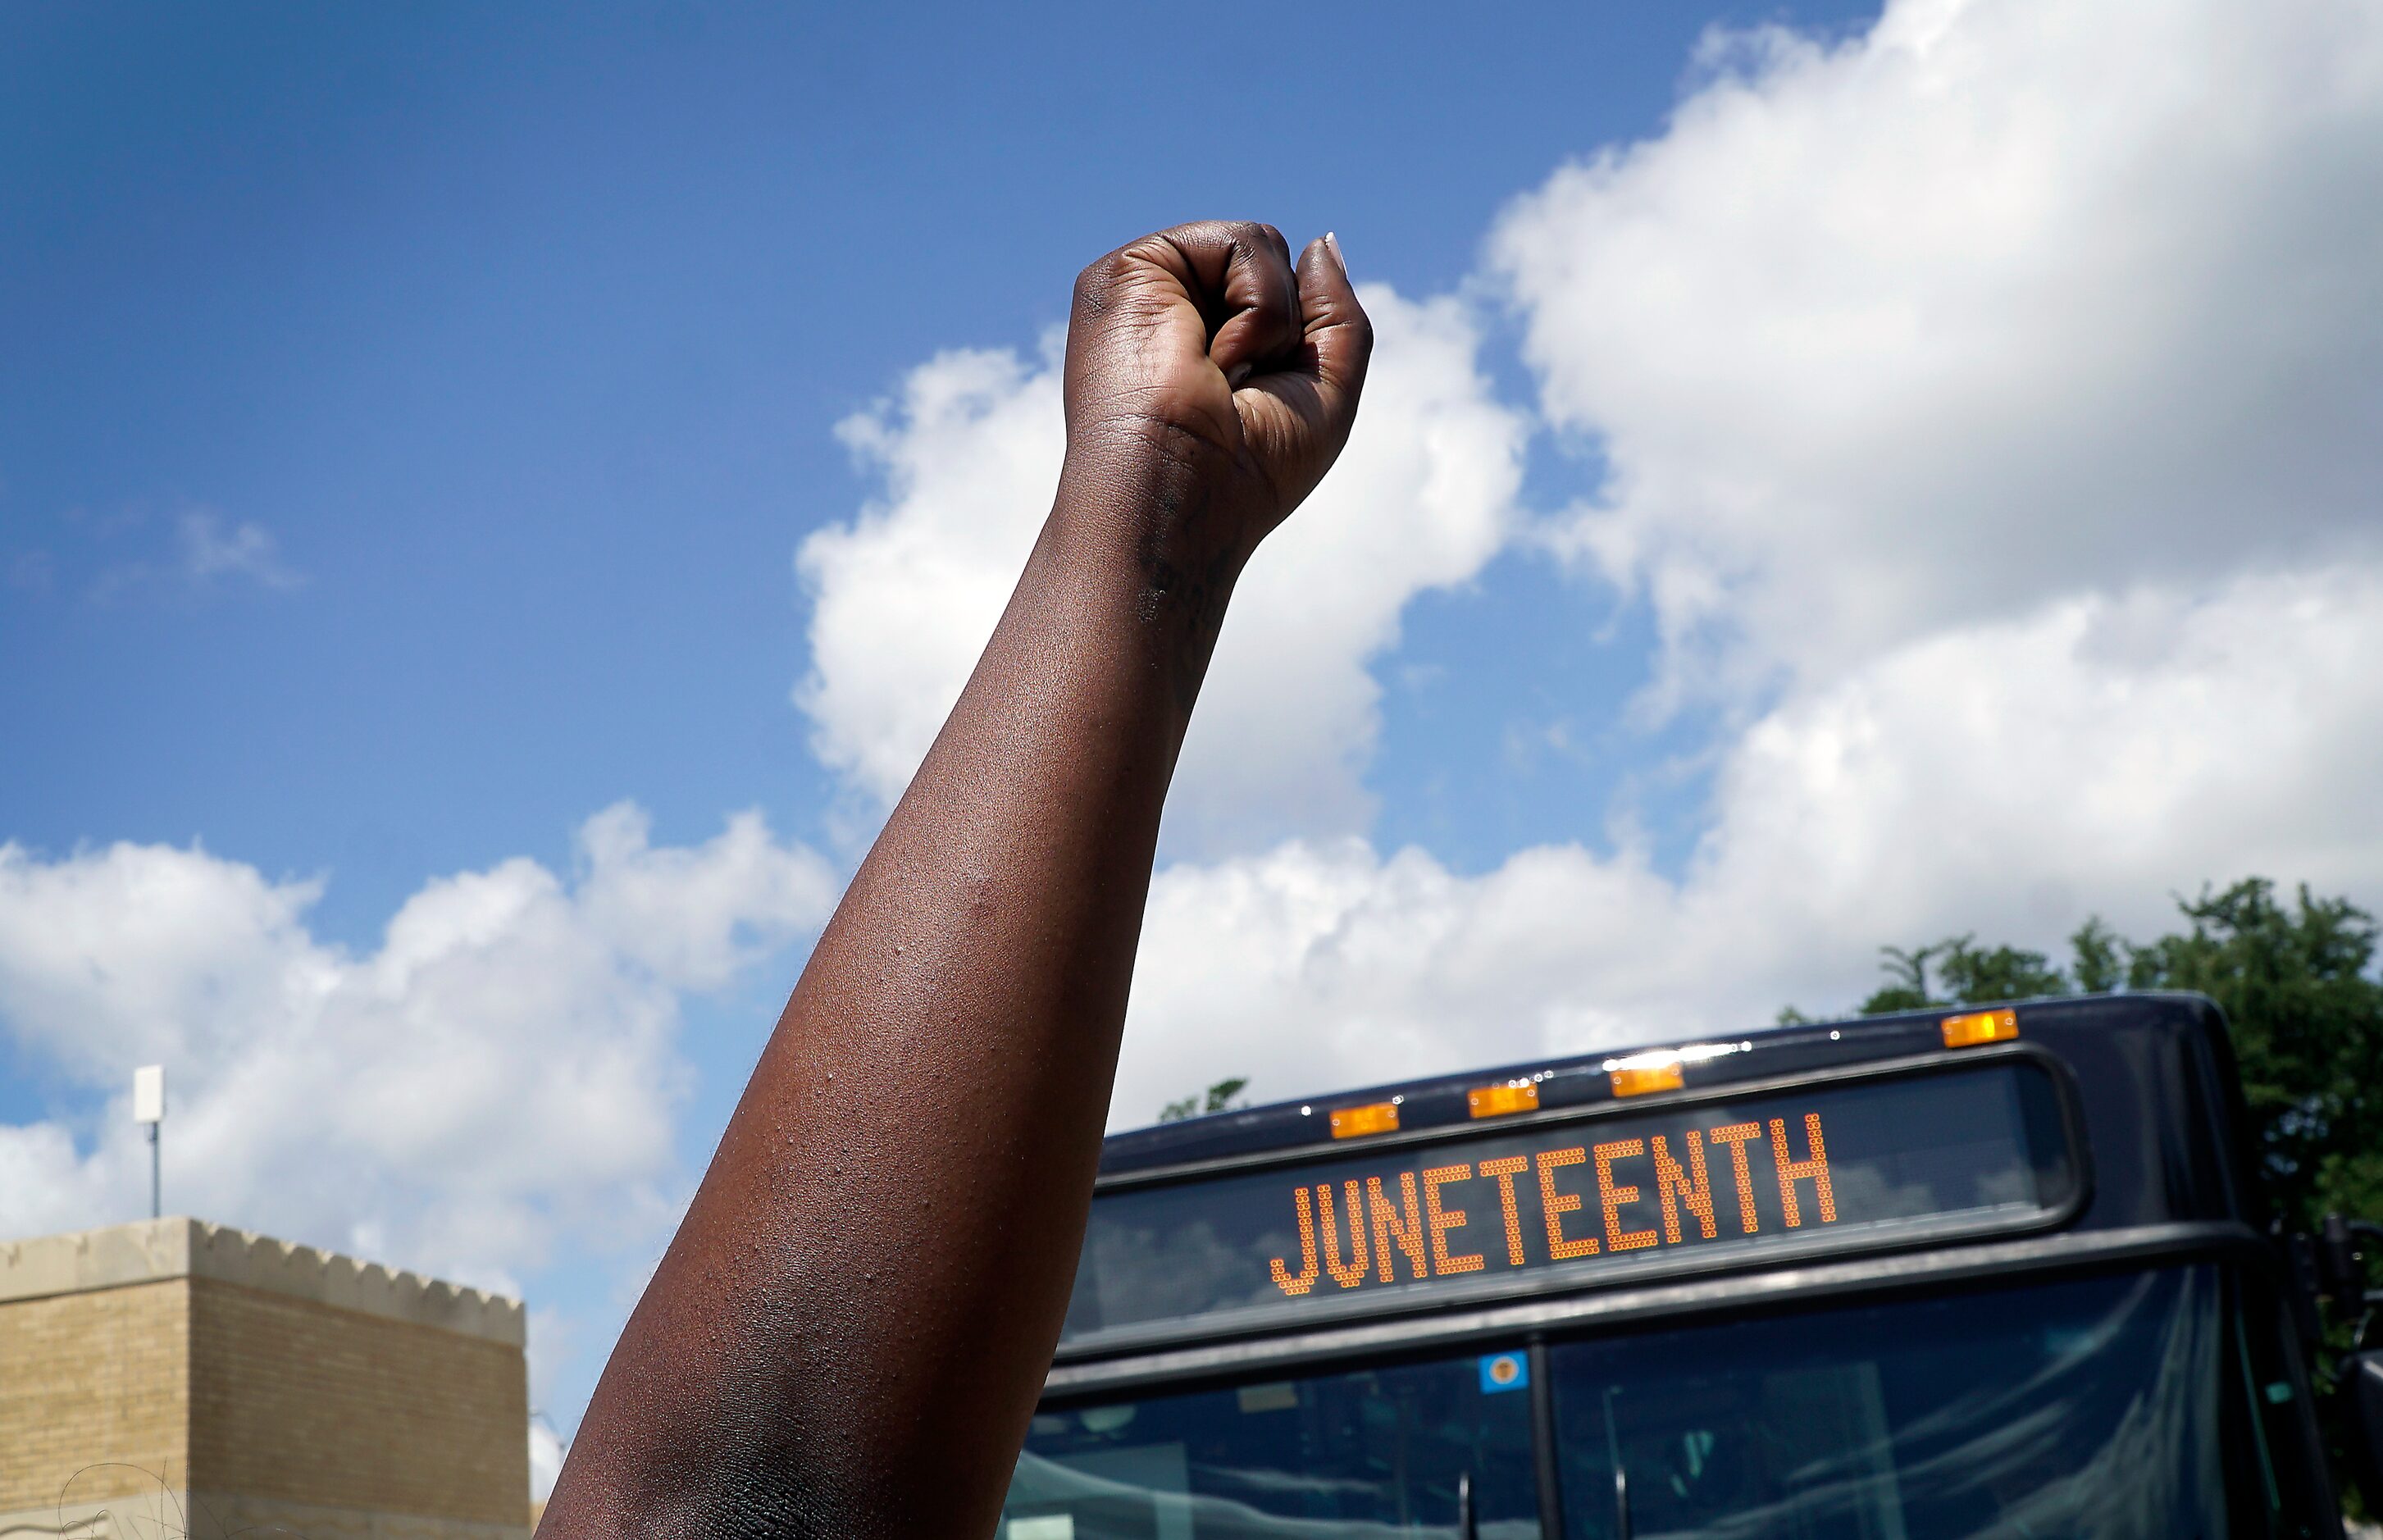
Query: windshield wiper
x=1621, y=1474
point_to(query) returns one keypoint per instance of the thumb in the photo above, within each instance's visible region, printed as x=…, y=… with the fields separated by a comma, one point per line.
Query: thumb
x=1338, y=335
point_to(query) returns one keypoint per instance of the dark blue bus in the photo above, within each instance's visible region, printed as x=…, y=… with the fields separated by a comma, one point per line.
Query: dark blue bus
x=1995, y=1272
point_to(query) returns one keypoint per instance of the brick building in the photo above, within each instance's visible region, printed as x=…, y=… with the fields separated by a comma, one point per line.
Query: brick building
x=173, y=1377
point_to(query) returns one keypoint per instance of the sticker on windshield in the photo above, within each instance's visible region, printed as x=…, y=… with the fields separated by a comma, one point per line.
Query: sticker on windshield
x=1504, y=1372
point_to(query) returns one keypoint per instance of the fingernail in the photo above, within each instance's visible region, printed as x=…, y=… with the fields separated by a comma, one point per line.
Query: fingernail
x=1332, y=244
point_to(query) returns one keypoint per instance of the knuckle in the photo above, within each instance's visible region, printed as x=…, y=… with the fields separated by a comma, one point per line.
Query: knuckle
x=1195, y=234
x=1098, y=277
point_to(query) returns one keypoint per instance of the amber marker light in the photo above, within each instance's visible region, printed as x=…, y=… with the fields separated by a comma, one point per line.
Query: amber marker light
x=1374, y=1118
x=1642, y=1074
x=1515, y=1096
x=1972, y=1028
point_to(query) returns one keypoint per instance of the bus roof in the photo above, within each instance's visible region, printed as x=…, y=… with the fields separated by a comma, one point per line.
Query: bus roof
x=1763, y=1054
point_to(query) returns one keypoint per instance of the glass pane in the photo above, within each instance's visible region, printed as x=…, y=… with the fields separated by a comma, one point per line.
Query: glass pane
x=2075, y=1410
x=2276, y=1468
x=1336, y=1456
x=1612, y=1198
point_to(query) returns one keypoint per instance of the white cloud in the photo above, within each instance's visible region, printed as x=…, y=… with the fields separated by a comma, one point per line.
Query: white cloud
x=499, y=1076
x=905, y=594
x=247, y=549
x=546, y=1452
x=2096, y=755
x=1996, y=302
x=1993, y=403
x=2001, y=392
x=1998, y=389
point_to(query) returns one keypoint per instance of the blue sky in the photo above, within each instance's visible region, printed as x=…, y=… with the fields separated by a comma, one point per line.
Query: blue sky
x=523, y=334
x=1827, y=487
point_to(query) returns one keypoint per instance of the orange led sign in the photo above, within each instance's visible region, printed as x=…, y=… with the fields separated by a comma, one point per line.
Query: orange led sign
x=1621, y=1190
x=1633, y=1192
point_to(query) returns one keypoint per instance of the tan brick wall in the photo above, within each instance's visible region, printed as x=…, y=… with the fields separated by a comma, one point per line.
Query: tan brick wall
x=249, y=1518
x=169, y=1513
x=186, y=1367
x=158, y=1513
x=94, y=1383
x=303, y=1402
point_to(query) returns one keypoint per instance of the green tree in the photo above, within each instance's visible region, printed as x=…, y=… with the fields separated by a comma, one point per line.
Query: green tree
x=1966, y=974
x=2297, y=983
x=1224, y=1096
x=2297, y=986
x=1908, y=973
x=1974, y=975
x=2099, y=967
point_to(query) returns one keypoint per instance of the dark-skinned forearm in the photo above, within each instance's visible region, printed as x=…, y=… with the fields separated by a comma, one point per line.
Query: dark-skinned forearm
x=871, y=1278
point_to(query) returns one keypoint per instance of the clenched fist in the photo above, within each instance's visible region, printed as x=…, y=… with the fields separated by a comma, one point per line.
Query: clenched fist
x=1214, y=383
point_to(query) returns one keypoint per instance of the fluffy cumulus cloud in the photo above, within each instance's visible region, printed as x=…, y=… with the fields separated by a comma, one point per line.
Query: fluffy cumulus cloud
x=2095, y=756
x=500, y=1077
x=1998, y=299
x=1994, y=406
x=906, y=594
x=247, y=549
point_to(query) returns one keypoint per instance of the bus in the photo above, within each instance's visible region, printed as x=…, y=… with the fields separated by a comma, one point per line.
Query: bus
x=1980, y=1272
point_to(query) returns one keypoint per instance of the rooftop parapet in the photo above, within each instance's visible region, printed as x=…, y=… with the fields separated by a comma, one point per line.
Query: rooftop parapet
x=151, y=1250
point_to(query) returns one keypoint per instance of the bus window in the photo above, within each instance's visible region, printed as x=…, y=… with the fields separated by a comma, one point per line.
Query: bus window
x=1360, y=1456
x=2080, y=1409
x=2267, y=1429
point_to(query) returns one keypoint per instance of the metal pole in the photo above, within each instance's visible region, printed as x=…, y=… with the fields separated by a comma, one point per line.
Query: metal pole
x=156, y=1175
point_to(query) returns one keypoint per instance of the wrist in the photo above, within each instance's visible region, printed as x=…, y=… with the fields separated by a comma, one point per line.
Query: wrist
x=1155, y=498
x=1155, y=540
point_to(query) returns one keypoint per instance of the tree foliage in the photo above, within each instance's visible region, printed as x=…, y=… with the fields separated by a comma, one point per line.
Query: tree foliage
x=2297, y=983
x=2296, y=980
x=1224, y=1096
x=1965, y=971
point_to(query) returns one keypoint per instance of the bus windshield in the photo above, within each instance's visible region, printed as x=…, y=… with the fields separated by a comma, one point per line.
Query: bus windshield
x=2086, y=1408
x=1377, y=1452
x=2083, y=1409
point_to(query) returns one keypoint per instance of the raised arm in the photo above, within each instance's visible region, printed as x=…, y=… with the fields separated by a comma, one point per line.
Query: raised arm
x=848, y=1333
